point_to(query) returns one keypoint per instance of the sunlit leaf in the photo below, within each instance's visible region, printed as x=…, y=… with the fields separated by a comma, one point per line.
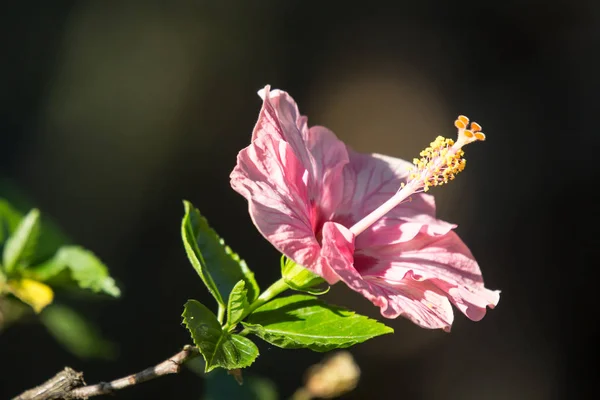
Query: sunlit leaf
x=218, y=266
x=84, y=267
x=302, y=321
x=9, y=219
x=219, y=348
x=237, y=304
x=20, y=246
x=50, y=236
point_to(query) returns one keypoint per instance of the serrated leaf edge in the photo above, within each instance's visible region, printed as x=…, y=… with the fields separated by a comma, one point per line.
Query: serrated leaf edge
x=209, y=363
x=201, y=269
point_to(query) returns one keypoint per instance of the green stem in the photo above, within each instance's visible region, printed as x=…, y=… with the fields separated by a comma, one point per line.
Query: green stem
x=221, y=314
x=244, y=332
x=272, y=291
x=275, y=289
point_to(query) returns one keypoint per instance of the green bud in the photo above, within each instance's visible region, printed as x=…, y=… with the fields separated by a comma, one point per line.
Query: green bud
x=301, y=279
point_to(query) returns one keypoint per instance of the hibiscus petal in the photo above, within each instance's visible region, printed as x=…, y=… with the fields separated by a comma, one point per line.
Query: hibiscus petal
x=443, y=261
x=328, y=158
x=279, y=116
x=318, y=149
x=424, y=304
x=337, y=250
x=270, y=176
x=378, y=178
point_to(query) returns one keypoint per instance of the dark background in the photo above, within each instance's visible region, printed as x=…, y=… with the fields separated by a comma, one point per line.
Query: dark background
x=113, y=112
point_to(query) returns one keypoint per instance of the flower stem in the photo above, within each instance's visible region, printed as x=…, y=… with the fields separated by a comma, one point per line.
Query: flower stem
x=221, y=313
x=275, y=289
x=244, y=332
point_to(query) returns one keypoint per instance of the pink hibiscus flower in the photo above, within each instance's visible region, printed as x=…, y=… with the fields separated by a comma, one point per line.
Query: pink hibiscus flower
x=362, y=218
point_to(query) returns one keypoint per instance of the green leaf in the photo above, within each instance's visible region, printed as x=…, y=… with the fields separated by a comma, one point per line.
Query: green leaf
x=302, y=321
x=219, y=348
x=9, y=219
x=218, y=266
x=84, y=267
x=75, y=333
x=20, y=245
x=50, y=236
x=238, y=304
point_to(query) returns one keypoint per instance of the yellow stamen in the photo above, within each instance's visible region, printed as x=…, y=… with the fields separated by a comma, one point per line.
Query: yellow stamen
x=463, y=119
x=443, y=159
x=438, y=165
x=460, y=124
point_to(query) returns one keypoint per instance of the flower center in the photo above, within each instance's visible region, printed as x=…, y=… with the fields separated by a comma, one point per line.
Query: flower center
x=439, y=164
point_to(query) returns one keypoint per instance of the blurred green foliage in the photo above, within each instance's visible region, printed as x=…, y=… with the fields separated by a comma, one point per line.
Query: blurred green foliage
x=36, y=261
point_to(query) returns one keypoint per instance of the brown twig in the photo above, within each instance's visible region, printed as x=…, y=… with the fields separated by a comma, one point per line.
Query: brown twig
x=67, y=384
x=55, y=387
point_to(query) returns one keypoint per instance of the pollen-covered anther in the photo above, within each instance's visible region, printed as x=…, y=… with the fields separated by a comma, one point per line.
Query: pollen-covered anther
x=468, y=132
x=463, y=119
x=439, y=163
